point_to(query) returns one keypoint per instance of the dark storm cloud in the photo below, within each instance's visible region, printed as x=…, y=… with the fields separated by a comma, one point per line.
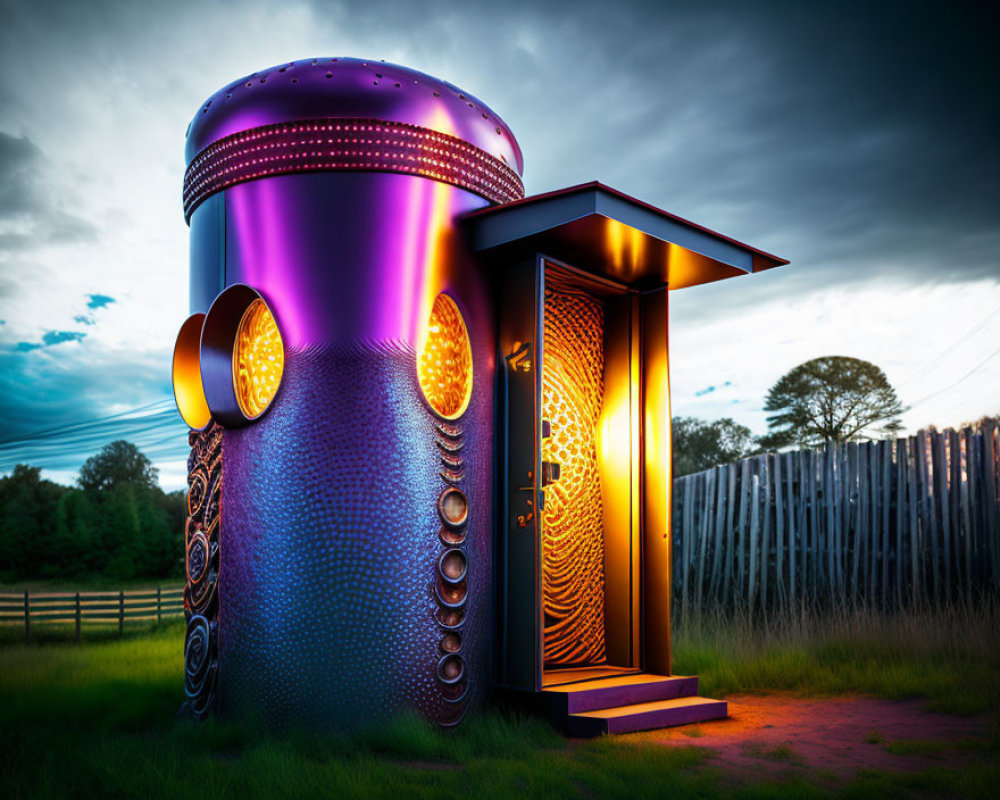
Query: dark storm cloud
x=29, y=206
x=855, y=139
x=841, y=135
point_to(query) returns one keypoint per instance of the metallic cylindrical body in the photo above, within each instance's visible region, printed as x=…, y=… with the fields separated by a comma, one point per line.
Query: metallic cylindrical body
x=339, y=598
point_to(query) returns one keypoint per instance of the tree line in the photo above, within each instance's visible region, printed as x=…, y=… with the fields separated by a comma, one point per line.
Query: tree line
x=829, y=399
x=116, y=522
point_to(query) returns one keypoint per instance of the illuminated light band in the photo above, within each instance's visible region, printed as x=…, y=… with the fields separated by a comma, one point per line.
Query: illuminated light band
x=365, y=145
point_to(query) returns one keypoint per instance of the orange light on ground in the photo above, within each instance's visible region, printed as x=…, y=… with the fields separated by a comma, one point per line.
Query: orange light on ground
x=444, y=363
x=258, y=359
x=189, y=394
x=572, y=521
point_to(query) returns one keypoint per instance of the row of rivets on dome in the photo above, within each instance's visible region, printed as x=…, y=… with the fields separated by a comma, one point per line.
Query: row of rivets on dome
x=317, y=62
x=395, y=147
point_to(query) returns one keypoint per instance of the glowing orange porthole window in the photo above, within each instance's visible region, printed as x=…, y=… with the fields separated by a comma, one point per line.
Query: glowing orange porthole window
x=258, y=359
x=444, y=363
x=189, y=393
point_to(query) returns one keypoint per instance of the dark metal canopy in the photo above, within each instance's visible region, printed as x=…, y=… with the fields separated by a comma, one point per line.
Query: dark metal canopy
x=598, y=229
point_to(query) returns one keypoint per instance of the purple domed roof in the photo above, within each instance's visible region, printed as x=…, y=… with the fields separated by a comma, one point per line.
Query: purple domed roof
x=332, y=88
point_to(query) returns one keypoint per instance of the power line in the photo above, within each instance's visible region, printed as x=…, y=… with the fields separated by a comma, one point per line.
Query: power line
x=981, y=397
x=972, y=371
x=47, y=433
x=960, y=340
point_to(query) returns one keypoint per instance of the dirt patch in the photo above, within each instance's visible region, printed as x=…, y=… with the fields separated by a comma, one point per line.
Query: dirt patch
x=780, y=735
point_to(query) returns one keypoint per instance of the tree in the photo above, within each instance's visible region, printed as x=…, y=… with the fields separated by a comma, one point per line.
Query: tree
x=27, y=523
x=831, y=399
x=118, y=464
x=119, y=524
x=698, y=445
x=74, y=540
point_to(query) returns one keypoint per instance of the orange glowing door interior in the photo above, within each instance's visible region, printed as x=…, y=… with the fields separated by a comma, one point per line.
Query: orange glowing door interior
x=585, y=470
x=572, y=521
x=588, y=547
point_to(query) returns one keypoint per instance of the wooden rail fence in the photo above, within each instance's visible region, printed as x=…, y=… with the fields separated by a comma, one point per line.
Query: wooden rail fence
x=78, y=608
x=888, y=523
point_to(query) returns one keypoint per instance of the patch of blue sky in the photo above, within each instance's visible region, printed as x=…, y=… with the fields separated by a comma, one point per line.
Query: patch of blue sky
x=100, y=300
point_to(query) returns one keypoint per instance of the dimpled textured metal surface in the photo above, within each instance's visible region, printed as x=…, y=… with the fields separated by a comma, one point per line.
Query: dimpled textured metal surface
x=327, y=607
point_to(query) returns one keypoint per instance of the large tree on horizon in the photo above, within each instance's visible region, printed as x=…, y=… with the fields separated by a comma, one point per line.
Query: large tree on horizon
x=120, y=463
x=831, y=399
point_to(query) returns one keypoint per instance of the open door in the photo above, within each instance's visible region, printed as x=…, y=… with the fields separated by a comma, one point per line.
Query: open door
x=584, y=468
x=583, y=449
x=518, y=432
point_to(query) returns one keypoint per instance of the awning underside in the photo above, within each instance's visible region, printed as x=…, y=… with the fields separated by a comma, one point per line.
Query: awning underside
x=607, y=233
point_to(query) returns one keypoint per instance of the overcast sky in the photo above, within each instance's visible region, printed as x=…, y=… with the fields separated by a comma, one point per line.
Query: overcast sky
x=857, y=140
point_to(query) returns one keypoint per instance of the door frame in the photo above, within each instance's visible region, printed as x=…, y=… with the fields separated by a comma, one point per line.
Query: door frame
x=519, y=492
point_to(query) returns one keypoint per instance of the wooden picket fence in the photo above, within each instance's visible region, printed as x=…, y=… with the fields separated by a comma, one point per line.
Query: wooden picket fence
x=889, y=524
x=31, y=609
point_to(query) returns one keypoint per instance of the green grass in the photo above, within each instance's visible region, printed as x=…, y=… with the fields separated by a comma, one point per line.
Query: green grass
x=98, y=719
x=919, y=747
x=950, y=658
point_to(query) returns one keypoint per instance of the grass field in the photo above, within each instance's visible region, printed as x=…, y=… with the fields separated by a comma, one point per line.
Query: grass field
x=950, y=657
x=97, y=719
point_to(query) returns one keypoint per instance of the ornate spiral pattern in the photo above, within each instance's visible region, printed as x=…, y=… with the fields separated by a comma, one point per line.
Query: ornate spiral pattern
x=572, y=520
x=202, y=568
x=201, y=663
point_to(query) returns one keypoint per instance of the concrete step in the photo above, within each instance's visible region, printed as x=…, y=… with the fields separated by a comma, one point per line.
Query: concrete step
x=646, y=716
x=622, y=690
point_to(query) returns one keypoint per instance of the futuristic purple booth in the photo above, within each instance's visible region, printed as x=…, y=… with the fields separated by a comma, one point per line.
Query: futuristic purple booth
x=430, y=418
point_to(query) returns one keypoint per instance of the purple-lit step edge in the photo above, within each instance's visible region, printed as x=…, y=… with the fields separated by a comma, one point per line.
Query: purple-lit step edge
x=646, y=716
x=613, y=692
